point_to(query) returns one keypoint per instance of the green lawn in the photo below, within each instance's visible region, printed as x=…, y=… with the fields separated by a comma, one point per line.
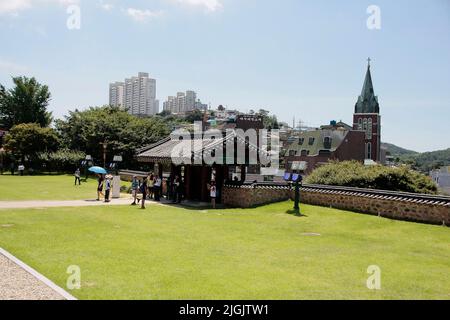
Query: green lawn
x=263, y=253
x=49, y=187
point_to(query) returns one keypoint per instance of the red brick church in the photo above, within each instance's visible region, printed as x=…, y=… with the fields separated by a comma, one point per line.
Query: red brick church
x=339, y=141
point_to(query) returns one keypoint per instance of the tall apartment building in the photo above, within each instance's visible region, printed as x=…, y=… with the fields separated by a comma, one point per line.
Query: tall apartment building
x=116, y=91
x=183, y=102
x=138, y=95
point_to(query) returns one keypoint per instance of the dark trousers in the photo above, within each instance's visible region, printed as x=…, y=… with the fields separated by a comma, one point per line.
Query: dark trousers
x=157, y=193
x=77, y=179
x=107, y=195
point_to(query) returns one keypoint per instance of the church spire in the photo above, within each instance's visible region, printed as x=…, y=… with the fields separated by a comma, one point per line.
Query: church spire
x=367, y=101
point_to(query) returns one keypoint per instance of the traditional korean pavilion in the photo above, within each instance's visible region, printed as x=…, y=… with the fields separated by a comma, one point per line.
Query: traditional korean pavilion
x=195, y=173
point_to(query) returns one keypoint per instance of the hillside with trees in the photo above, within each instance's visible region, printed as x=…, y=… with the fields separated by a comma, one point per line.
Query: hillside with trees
x=397, y=151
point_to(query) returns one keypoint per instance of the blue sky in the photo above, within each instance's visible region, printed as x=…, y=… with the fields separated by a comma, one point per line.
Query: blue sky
x=292, y=57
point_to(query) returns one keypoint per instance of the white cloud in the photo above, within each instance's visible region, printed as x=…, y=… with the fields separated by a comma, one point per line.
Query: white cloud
x=106, y=6
x=143, y=15
x=10, y=67
x=209, y=5
x=14, y=6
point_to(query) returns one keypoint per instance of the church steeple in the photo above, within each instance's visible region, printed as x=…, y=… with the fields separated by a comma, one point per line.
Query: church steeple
x=367, y=118
x=367, y=101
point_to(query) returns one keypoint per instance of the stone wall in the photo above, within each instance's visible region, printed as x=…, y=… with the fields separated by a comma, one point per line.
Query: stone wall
x=387, y=205
x=399, y=209
x=247, y=196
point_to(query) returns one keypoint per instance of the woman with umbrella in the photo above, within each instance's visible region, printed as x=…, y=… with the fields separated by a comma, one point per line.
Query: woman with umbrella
x=100, y=172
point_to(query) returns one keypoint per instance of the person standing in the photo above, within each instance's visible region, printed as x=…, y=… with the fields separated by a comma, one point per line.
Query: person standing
x=151, y=184
x=107, y=188
x=157, y=187
x=213, y=194
x=77, y=175
x=144, y=190
x=134, y=189
x=177, y=190
x=101, y=180
x=21, y=168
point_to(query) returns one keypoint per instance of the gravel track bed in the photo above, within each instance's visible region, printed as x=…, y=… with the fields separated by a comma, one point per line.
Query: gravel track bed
x=17, y=284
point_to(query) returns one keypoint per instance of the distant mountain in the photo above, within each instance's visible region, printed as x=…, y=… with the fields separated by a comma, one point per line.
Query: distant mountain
x=397, y=151
x=428, y=161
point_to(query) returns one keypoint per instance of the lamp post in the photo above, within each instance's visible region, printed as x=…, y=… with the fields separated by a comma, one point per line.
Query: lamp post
x=87, y=162
x=116, y=160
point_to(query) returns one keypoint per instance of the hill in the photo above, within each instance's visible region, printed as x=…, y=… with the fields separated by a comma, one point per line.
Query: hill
x=428, y=160
x=397, y=151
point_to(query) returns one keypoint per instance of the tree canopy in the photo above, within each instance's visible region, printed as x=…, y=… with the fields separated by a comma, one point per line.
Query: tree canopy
x=87, y=130
x=26, y=102
x=27, y=140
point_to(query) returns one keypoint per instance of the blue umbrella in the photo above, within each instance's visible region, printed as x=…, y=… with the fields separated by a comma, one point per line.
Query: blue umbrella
x=98, y=170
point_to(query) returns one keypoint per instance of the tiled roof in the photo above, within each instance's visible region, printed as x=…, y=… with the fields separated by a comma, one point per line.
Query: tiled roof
x=172, y=148
x=317, y=137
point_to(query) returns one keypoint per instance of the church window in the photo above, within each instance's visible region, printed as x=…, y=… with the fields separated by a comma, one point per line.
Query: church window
x=369, y=130
x=311, y=141
x=369, y=150
x=327, y=142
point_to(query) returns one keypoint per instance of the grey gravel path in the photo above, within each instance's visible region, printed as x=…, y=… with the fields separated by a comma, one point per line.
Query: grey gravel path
x=18, y=284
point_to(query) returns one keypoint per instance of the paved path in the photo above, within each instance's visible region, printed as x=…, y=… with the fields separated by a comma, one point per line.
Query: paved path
x=52, y=203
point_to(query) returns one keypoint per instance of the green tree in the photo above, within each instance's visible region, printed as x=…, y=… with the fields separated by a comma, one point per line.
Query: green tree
x=26, y=102
x=270, y=121
x=124, y=133
x=355, y=174
x=27, y=140
x=195, y=115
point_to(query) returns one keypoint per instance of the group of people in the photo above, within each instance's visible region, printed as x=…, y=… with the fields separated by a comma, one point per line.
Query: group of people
x=104, y=182
x=150, y=188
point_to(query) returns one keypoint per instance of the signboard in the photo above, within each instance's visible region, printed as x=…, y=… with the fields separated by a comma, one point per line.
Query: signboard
x=299, y=165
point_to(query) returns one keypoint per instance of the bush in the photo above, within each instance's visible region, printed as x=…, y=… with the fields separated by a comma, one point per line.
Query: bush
x=355, y=174
x=60, y=161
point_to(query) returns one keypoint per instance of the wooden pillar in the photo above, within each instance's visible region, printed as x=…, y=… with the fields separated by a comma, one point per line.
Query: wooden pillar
x=243, y=173
x=187, y=182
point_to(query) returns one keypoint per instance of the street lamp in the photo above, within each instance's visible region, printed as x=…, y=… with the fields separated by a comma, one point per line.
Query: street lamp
x=87, y=163
x=115, y=164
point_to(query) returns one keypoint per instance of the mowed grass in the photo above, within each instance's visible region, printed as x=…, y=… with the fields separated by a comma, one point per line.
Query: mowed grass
x=262, y=253
x=49, y=187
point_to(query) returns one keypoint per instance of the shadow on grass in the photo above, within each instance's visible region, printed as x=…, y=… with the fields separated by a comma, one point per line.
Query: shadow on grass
x=295, y=213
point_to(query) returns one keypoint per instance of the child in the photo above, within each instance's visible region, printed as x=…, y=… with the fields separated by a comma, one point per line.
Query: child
x=107, y=188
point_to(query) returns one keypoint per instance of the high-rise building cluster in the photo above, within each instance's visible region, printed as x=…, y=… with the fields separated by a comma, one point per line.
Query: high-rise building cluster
x=135, y=94
x=183, y=102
